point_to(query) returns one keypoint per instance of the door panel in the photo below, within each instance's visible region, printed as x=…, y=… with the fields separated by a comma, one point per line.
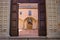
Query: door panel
x=14, y=18
x=29, y=26
x=42, y=18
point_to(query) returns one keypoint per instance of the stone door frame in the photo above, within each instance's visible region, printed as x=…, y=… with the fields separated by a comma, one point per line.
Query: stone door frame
x=41, y=16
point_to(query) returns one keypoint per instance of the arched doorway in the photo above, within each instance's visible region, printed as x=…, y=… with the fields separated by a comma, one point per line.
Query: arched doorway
x=30, y=23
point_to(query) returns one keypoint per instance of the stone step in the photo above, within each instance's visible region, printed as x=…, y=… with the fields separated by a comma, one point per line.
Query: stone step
x=27, y=38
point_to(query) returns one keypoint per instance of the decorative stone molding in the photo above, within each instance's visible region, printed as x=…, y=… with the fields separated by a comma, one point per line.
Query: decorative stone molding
x=4, y=17
x=52, y=18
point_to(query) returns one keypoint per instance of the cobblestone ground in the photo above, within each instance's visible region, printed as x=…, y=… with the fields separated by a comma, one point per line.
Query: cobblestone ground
x=28, y=32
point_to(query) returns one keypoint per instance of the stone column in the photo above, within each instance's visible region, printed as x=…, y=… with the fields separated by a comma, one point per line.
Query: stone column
x=52, y=19
x=58, y=17
x=4, y=17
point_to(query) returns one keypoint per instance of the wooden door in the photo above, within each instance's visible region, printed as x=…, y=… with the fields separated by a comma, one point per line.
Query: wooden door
x=14, y=18
x=29, y=25
x=42, y=18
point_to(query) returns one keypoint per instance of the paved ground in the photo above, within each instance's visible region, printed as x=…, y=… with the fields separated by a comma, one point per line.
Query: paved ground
x=28, y=32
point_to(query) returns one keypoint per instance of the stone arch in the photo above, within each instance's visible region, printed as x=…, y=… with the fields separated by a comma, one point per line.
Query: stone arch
x=29, y=17
x=34, y=22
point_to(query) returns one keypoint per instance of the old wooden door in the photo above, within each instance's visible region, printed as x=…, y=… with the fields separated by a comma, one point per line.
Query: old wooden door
x=14, y=18
x=29, y=24
x=41, y=16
